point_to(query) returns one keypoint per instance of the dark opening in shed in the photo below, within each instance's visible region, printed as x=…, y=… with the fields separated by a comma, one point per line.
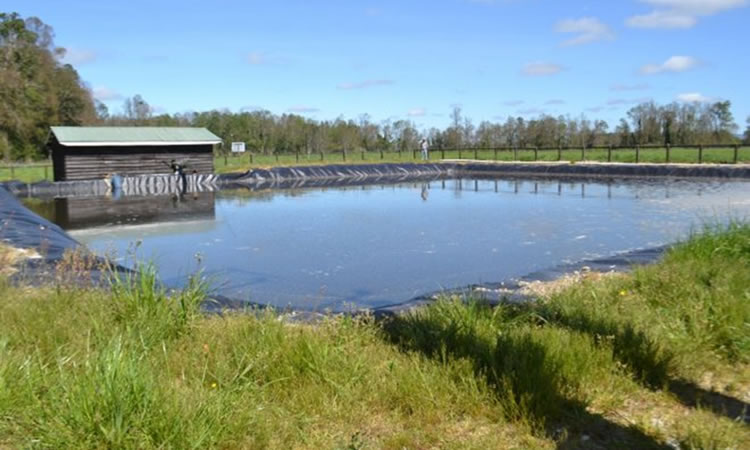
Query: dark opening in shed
x=87, y=153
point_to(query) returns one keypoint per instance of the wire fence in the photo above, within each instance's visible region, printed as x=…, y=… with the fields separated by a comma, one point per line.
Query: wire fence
x=726, y=154
x=684, y=154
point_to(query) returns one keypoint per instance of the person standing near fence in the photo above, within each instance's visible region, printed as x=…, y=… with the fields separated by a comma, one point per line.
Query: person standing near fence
x=425, y=149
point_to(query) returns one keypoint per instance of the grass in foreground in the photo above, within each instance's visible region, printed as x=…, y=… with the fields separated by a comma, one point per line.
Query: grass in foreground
x=659, y=357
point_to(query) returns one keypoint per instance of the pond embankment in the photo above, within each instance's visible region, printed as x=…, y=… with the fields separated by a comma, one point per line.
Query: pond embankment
x=363, y=174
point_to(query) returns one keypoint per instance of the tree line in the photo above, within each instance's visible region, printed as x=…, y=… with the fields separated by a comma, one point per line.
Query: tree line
x=263, y=132
x=38, y=90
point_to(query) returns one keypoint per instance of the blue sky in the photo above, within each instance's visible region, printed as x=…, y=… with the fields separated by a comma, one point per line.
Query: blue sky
x=408, y=59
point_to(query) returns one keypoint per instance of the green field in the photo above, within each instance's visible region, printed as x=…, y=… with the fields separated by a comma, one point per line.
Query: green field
x=223, y=164
x=658, y=357
x=677, y=155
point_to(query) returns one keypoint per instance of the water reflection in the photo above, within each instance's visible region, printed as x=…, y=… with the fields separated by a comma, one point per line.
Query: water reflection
x=88, y=212
x=374, y=245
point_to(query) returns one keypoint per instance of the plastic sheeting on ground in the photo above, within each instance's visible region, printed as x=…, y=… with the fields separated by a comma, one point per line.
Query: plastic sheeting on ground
x=156, y=184
x=21, y=228
x=512, y=290
x=644, y=170
x=335, y=175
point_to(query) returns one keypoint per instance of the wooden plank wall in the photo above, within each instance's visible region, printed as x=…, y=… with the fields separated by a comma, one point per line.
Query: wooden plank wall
x=98, y=162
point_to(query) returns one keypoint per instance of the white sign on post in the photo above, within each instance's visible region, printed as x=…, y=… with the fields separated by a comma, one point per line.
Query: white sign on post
x=238, y=147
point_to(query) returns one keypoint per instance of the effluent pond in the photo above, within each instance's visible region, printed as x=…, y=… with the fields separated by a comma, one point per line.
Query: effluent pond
x=345, y=248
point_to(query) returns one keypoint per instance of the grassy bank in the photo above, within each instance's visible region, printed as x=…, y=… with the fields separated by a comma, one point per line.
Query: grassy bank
x=243, y=162
x=654, y=358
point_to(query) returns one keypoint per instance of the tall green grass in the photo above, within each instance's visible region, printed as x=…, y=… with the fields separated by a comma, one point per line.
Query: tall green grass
x=137, y=368
x=616, y=362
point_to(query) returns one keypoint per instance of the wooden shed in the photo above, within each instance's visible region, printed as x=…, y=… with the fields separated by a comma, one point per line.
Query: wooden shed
x=87, y=153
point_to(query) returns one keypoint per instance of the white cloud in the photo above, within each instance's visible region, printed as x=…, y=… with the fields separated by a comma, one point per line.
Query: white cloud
x=302, y=109
x=629, y=87
x=673, y=64
x=364, y=84
x=78, y=56
x=681, y=13
x=555, y=102
x=513, y=103
x=104, y=94
x=541, y=69
x=417, y=112
x=694, y=97
x=587, y=29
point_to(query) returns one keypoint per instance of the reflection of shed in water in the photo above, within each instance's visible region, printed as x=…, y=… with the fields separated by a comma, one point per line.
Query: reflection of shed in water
x=88, y=212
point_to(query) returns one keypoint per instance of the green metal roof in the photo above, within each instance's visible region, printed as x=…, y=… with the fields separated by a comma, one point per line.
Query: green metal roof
x=122, y=136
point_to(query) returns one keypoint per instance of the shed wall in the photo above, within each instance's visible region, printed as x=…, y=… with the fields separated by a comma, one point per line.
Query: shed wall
x=87, y=163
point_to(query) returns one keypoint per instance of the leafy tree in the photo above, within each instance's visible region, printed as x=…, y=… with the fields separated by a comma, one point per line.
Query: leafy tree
x=723, y=121
x=36, y=89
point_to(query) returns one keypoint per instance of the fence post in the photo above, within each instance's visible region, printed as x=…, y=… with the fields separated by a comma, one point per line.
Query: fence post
x=322, y=157
x=414, y=154
x=736, y=153
x=609, y=153
x=381, y=154
x=559, y=152
x=363, y=155
x=296, y=155
x=251, y=158
x=476, y=153
x=277, y=156
x=12, y=171
x=494, y=156
x=536, y=155
x=700, y=154
x=344, y=152
x=459, y=153
x=583, y=153
x=399, y=154
x=225, y=160
x=45, y=170
x=637, y=153
x=668, y=156
x=515, y=153
x=442, y=153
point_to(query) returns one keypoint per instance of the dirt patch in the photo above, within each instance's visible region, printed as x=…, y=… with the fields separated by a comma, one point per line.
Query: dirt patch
x=525, y=290
x=547, y=288
x=11, y=256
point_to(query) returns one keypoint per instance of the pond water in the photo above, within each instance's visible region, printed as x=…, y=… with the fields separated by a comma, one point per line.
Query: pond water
x=332, y=248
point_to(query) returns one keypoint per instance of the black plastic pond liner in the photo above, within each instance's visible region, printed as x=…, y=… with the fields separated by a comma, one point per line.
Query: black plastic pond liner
x=155, y=184
x=606, y=170
x=21, y=228
x=511, y=290
x=336, y=174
